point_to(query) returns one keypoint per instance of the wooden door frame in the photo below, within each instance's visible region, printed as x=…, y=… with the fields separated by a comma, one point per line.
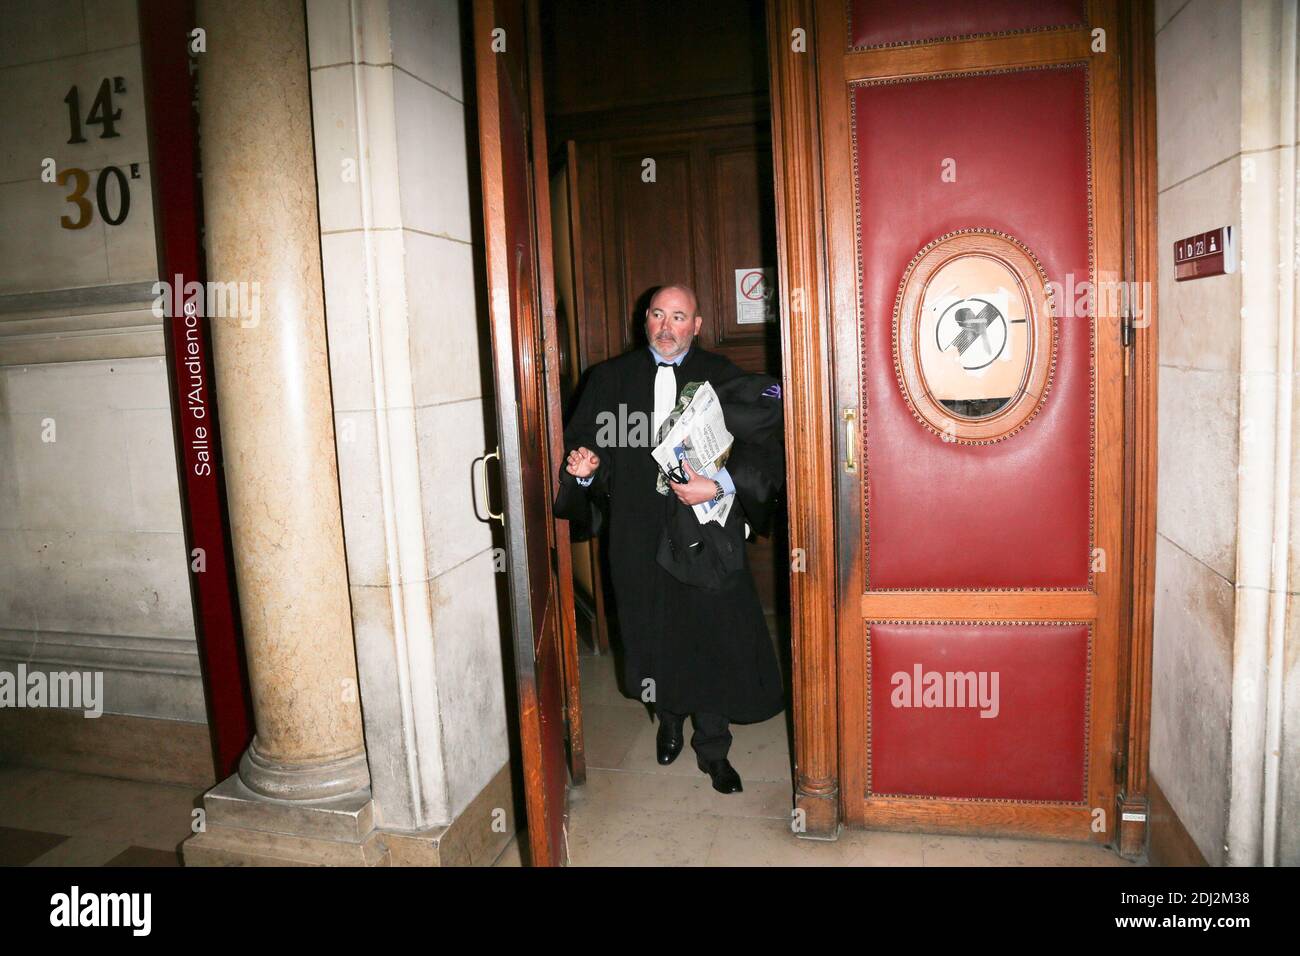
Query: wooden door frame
x=1141, y=263
x=561, y=550
x=813, y=439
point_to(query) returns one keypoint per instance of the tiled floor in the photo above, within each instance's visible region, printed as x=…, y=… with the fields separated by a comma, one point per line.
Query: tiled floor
x=631, y=811
x=50, y=818
x=634, y=812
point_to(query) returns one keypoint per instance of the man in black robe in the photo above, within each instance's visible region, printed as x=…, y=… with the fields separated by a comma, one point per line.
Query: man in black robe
x=687, y=650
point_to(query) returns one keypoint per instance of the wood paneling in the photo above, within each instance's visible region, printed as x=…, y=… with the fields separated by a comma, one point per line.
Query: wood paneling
x=622, y=55
x=708, y=211
x=1032, y=49
x=901, y=22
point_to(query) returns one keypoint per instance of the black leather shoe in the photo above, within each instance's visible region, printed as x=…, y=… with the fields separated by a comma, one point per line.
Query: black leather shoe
x=668, y=741
x=724, y=776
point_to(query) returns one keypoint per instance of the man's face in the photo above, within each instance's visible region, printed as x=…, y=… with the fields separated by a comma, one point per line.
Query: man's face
x=671, y=322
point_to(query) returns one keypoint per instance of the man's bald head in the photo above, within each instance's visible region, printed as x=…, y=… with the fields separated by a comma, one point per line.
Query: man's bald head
x=672, y=320
x=677, y=295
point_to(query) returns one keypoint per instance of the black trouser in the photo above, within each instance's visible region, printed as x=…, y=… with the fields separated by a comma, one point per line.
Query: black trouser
x=712, y=737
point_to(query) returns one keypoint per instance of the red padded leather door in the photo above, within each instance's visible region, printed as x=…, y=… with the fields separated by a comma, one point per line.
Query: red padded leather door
x=980, y=504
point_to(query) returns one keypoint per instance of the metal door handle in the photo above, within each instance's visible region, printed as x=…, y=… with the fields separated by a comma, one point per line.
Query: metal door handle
x=483, y=484
x=850, y=415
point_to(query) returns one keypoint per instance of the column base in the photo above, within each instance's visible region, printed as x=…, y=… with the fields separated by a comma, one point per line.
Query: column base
x=243, y=828
x=475, y=838
x=821, y=815
x=320, y=781
x=1134, y=813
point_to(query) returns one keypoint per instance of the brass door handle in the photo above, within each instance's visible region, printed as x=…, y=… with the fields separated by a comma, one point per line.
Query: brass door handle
x=483, y=485
x=850, y=415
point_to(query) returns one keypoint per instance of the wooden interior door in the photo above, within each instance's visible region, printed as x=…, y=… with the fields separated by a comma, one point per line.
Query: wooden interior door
x=517, y=238
x=968, y=150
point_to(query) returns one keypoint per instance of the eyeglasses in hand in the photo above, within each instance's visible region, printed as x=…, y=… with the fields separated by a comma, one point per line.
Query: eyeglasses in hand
x=677, y=473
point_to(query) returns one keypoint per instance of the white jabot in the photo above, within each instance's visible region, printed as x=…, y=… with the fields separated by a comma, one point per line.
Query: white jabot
x=665, y=397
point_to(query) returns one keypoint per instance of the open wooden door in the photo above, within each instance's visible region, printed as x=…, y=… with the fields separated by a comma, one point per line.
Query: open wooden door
x=516, y=217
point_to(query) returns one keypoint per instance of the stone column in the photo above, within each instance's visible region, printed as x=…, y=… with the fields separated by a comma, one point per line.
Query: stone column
x=273, y=392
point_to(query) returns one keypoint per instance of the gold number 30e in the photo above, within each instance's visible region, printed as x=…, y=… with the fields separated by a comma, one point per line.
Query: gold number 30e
x=81, y=182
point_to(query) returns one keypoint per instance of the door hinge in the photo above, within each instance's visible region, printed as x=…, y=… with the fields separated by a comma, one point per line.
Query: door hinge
x=1126, y=328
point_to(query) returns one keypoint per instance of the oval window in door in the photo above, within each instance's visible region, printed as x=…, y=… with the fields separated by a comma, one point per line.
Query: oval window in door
x=974, y=336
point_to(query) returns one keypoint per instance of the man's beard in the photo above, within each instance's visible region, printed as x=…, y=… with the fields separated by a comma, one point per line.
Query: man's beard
x=668, y=345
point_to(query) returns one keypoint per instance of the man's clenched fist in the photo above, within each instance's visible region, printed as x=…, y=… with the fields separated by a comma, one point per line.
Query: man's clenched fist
x=582, y=462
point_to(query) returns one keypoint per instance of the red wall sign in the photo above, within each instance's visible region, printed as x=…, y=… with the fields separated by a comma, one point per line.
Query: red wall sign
x=173, y=163
x=1211, y=253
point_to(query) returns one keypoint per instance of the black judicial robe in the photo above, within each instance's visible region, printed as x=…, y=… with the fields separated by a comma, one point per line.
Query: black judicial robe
x=706, y=650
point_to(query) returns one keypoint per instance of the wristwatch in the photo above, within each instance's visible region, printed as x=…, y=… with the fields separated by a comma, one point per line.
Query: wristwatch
x=721, y=493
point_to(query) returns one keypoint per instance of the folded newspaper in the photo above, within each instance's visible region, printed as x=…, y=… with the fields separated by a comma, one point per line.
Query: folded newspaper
x=696, y=431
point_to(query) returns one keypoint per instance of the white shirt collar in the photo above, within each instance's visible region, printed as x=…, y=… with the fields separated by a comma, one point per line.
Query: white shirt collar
x=676, y=361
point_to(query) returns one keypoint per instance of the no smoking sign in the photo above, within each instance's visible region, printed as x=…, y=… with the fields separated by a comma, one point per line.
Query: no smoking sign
x=755, y=289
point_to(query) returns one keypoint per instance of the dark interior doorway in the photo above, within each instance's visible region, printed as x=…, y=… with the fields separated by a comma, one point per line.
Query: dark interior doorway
x=658, y=125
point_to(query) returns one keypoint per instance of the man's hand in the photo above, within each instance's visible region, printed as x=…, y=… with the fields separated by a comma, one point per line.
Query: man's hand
x=582, y=462
x=697, y=490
